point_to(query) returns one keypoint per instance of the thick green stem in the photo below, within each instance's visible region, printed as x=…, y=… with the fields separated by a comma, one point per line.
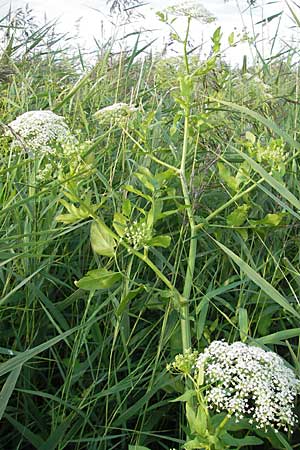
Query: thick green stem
x=185, y=53
x=185, y=321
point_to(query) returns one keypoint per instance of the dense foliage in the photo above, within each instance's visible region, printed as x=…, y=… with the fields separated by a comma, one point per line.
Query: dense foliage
x=181, y=209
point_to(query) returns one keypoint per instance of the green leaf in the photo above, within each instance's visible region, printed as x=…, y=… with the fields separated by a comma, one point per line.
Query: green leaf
x=66, y=218
x=154, y=212
x=203, y=310
x=137, y=447
x=216, y=38
x=259, y=281
x=126, y=207
x=267, y=122
x=34, y=439
x=227, y=177
x=197, y=443
x=238, y=216
x=137, y=192
x=186, y=397
x=270, y=220
x=119, y=224
x=146, y=181
x=243, y=324
x=159, y=241
x=98, y=279
x=25, y=356
x=127, y=298
x=101, y=241
x=277, y=185
x=197, y=421
x=202, y=423
x=8, y=388
x=56, y=437
x=75, y=214
x=276, y=338
x=243, y=442
x=163, y=177
x=231, y=39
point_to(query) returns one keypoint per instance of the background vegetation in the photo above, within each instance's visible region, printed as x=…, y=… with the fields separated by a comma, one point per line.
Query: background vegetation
x=85, y=368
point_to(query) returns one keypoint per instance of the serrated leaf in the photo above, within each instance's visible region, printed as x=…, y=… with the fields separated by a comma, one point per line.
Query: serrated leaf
x=101, y=241
x=98, y=279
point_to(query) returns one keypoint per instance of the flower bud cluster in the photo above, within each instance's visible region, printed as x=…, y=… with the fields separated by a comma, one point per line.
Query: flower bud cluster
x=184, y=363
x=38, y=132
x=116, y=113
x=249, y=382
x=273, y=154
x=138, y=234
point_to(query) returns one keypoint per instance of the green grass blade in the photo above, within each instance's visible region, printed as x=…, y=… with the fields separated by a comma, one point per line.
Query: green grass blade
x=23, y=357
x=260, y=118
x=259, y=281
x=8, y=388
x=276, y=338
x=279, y=187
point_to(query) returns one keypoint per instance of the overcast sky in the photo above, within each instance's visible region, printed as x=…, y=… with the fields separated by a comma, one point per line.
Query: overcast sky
x=91, y=19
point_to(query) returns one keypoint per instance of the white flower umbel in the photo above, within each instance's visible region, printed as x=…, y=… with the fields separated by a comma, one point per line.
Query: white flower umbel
x=38, y=132
x=249, y=382
x=192, y=9
x=115, y=113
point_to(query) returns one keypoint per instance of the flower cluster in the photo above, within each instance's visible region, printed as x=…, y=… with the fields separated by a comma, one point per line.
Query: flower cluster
x=273, y=154
x=192, y=9
x=138, y=234
x=38, y=132
x=249, y=382
x=255, y=82
x=116, y=113
x=184, y=363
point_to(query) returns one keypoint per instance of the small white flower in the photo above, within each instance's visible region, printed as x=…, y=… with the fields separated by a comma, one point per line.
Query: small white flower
x=38, y=132
x=249, y=382
x=192, y=9
x=116, y=112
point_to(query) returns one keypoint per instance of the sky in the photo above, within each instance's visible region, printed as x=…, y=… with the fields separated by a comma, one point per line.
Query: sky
x=90, y=19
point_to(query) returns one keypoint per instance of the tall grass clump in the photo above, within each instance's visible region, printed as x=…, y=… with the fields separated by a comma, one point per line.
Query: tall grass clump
x=149, y=252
